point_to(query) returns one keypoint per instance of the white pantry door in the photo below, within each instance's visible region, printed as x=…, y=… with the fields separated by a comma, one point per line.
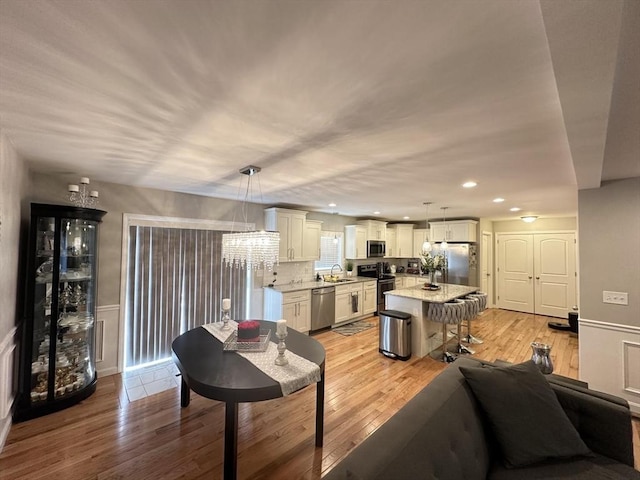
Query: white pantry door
x=515, y=272
x=555, y=273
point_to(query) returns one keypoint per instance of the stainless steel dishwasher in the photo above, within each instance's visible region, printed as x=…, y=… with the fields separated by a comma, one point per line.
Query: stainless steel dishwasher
x=323, y=307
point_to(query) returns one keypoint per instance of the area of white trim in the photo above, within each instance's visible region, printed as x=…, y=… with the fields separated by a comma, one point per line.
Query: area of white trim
x=107, y=339
x=605, y=355
x=7, y=395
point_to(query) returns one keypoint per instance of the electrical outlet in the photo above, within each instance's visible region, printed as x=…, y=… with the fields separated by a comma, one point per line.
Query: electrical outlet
x=618, y=298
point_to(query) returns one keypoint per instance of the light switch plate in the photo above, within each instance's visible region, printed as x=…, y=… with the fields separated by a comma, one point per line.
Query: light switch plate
x=618, y=298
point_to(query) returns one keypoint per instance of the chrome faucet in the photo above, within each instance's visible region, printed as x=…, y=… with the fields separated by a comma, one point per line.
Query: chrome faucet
x=335, y=265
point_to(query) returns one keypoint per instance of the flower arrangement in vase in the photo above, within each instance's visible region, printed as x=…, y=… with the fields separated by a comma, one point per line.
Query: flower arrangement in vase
x=430, y=264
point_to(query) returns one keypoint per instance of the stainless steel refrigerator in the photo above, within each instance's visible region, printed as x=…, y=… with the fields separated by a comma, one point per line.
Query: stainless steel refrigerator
x=462, y=263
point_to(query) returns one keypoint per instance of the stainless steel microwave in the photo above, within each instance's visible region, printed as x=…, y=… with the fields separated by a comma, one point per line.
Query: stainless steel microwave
x=376, y=248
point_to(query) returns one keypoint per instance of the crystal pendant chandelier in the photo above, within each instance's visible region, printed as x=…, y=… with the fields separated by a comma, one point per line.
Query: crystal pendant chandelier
x=426, y=246
x=253, y=250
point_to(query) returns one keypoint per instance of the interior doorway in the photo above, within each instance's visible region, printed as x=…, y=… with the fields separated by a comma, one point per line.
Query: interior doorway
x=486, y=266
x=537, y=272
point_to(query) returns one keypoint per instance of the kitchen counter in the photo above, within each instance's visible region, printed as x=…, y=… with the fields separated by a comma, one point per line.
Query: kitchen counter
x=446, y=293
x=426, y=335
x=294, y=287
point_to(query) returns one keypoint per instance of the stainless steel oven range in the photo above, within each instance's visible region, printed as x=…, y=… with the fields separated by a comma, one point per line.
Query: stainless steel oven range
x=386, y=281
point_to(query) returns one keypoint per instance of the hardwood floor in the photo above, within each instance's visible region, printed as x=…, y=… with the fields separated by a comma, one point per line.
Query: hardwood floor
x=106, y=437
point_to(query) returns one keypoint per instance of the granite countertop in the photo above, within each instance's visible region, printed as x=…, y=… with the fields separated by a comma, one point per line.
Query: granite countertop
x=294, y=287
x=446, y=293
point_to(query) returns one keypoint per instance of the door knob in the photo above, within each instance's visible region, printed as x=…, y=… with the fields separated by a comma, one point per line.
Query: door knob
x=537, y=278
x=530, y=277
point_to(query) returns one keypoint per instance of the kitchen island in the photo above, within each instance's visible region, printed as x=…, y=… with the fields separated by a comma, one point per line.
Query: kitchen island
x=426, y=335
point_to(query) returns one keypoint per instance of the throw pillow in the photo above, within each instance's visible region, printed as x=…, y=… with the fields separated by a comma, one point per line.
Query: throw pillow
x=524, y=414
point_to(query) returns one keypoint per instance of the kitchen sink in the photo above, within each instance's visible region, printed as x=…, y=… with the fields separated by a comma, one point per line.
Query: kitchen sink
x=339, y=280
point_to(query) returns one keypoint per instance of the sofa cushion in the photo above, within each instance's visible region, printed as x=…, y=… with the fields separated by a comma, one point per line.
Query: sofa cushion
x=524, y=414
x=598, y=467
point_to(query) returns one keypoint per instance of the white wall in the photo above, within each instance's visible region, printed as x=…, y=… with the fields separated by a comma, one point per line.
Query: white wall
x=13, y=218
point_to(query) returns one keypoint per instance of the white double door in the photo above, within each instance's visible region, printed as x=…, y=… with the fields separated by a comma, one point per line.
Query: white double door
x=537, y=273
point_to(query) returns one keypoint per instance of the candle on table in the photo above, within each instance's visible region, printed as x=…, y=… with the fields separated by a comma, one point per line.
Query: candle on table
x=226, y=304
x=281, y=327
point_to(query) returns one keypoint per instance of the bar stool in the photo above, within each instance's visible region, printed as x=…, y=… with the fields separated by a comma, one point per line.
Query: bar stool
x=450, y=313
x=482, y=306
x=473, y=308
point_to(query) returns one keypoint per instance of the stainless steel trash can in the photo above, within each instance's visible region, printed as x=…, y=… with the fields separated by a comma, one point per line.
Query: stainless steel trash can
x=395, y=334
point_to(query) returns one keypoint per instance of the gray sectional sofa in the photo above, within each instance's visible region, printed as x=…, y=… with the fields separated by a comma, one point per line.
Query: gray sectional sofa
x=444, y=433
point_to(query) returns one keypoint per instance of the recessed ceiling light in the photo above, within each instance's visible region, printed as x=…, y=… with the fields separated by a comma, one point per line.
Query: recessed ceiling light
x=498, y=200
x=406, y=218
x=376, y=213
x=529, y=218
x=515, y=209
x=332, y=205
x=469, y=184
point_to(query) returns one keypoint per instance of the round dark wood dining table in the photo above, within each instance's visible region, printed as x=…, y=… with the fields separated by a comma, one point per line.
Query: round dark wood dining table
x=228, y=377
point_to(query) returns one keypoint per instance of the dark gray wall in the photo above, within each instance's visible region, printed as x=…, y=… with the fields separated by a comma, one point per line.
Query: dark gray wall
x=609, y=233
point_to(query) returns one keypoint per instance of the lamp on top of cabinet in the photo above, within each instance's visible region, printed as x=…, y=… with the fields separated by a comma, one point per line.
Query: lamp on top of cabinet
x=426, y=246
x=250, y=249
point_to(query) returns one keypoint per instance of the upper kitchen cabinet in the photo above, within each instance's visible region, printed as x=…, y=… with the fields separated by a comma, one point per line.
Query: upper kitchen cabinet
x=454, y=231
x=391, y=236
x=403, y=234
x=311, y=245
x=419, y=237
x=355, y=242
x=375, y=229
x=291, y=225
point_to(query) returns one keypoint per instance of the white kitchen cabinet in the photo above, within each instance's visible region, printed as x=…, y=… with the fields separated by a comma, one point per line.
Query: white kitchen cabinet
x=376, y=230
x=454, y=231
x=419, y=237
x=370, y=297
x=311, y=245
x=291, y=225
x=349, y=301
x=399, y=283
x=355, y=240
x=391, y=236
x=294, y=307
x=411, y=281
x=403, y=240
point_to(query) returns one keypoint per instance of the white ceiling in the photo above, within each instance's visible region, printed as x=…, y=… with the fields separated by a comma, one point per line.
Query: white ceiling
x=373, y=105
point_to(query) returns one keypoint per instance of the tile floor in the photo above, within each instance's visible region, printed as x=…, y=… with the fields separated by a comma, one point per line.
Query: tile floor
x=150, y=380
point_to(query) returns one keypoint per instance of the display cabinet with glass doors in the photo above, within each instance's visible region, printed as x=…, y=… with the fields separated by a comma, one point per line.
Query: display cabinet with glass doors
x=57, y=350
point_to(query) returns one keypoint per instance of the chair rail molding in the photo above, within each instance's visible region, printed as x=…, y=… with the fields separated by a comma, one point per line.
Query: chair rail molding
x=609, y=359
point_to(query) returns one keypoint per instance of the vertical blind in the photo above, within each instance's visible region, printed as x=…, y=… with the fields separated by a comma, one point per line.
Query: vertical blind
x=330, y=250
x=176, y=280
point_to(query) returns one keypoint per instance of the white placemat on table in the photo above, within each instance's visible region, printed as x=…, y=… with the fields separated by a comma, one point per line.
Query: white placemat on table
x=298, y=373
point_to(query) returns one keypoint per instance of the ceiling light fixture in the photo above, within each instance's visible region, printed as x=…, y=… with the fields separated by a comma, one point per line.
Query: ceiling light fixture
x=332, y=205
x=406, y=217
x=376, y=213
x=529, y=218
x=515, y=209
x=251, y=249
x=426, y=246
x=469, y=184
x=444, y=245
x=498, y=200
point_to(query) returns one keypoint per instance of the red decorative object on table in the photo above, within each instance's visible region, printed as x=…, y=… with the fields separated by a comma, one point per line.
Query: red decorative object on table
x=249, y=331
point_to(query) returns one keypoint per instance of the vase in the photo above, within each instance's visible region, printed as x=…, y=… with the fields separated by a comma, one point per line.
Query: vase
x=542, y=357
x=432, y=277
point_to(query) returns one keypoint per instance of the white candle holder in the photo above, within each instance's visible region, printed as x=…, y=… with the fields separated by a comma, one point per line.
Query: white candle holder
x=225, y=319
x=282, y=347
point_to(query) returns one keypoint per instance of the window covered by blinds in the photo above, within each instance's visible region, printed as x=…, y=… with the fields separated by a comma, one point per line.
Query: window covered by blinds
x=176, y=280
x=330, y=250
